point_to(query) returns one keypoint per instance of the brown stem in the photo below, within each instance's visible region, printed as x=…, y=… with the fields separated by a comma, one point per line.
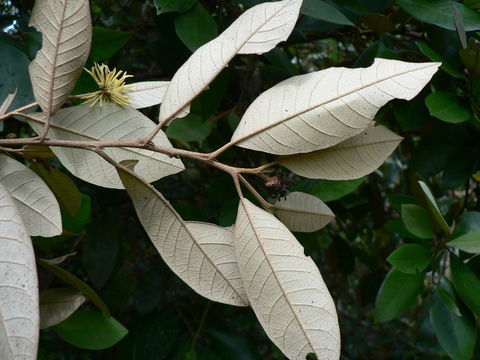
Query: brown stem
x=266, y=205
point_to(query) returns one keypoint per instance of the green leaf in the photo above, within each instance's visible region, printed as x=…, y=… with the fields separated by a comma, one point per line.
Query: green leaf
x=190, y=128
x=411, y=115
x=196, y=27
x=433, y=207
x=469, y=242
x=397, y=293
x=232, y=346
x=91, y=330
x=456, y=334
x=107, y=42
x=79, y=221
x=330, y=190
x=434, y=56
x=447, y=107
x=439, y=12
x=378, y=23
x=469, y=222
x=466, y=283
x=322, y=11
x=460, y=27
x=78, y=284
x=410, y=258
x=417, y=220
x=14, y=74
x=181, y=6
x=472, y=3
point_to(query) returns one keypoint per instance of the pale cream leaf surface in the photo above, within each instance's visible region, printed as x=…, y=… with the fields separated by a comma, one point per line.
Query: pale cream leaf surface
x=284, y=287
x=147, y=93
x=256, y=31
x=66, y=29
x=303, y=212
x=35, y=202
x=201, y=254
x=107, y=122
x=317, y=110
x=351, y=159
x=19, y=319
x=7, y=102
x=58, y=304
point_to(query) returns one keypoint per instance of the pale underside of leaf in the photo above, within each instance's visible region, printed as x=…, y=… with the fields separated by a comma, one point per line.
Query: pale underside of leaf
x=19, y=319
x=256, y=31
x=58, y=304
x=66, y=29
x=7, y=102
x=284, y=287
x=35, y=202
x=351, y=159
x=303, y=212
x=108, y=122
x=314, y=111
x=200, y=254
x=147, y=93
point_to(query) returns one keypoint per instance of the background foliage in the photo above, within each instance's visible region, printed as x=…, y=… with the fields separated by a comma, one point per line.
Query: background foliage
x=384, y=258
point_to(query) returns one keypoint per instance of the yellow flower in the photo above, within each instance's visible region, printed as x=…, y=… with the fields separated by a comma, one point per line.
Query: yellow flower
x=112, y=86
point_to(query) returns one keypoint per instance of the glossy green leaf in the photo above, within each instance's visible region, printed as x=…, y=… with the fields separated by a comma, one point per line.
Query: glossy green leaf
x=76, y=283
x=196, y=27
x=323, y=11
x=447, y=107
x=190, y=128
x=440, y=13
x=410, y=258
x=165, y=6
x=456, y=334
x=466, y=283
x=14, y=74
x=469, y=222
x=91, y=330
x=329, y=190
x=107, y=42
x=397, y=293
x=435, y=56
x=468, y=242
x=417, y=220
x=433, y=207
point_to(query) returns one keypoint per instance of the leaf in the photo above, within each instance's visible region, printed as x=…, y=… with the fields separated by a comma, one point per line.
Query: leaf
x=201, y=254
x=434, y=56
x=460, y=27
x=471, y=55
x=76, y=283
x=7, y=102
x=417, y=220
x=58, y=304
x=19, y=319
x=323, y=11
x=469, y=222
x=433, y=207
x=351, y=159
x=397, y=293
x=378, y=23
x=410, y=258
x=35, y=202
x=335, y=190
x=196, y=27
x=466, y=283
x=447, y=107
x=284, y=286
x=455, y=333
x=147, y=93
x=303, y=212
x=108, y=122
x=66, y=28
x=439, y=12
x=190, y=128
x=107, y=42
x=256, y=31
x=321, y=109
x=63, y=187
x=91, y=330
x=165, y=6
x=469, y=242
